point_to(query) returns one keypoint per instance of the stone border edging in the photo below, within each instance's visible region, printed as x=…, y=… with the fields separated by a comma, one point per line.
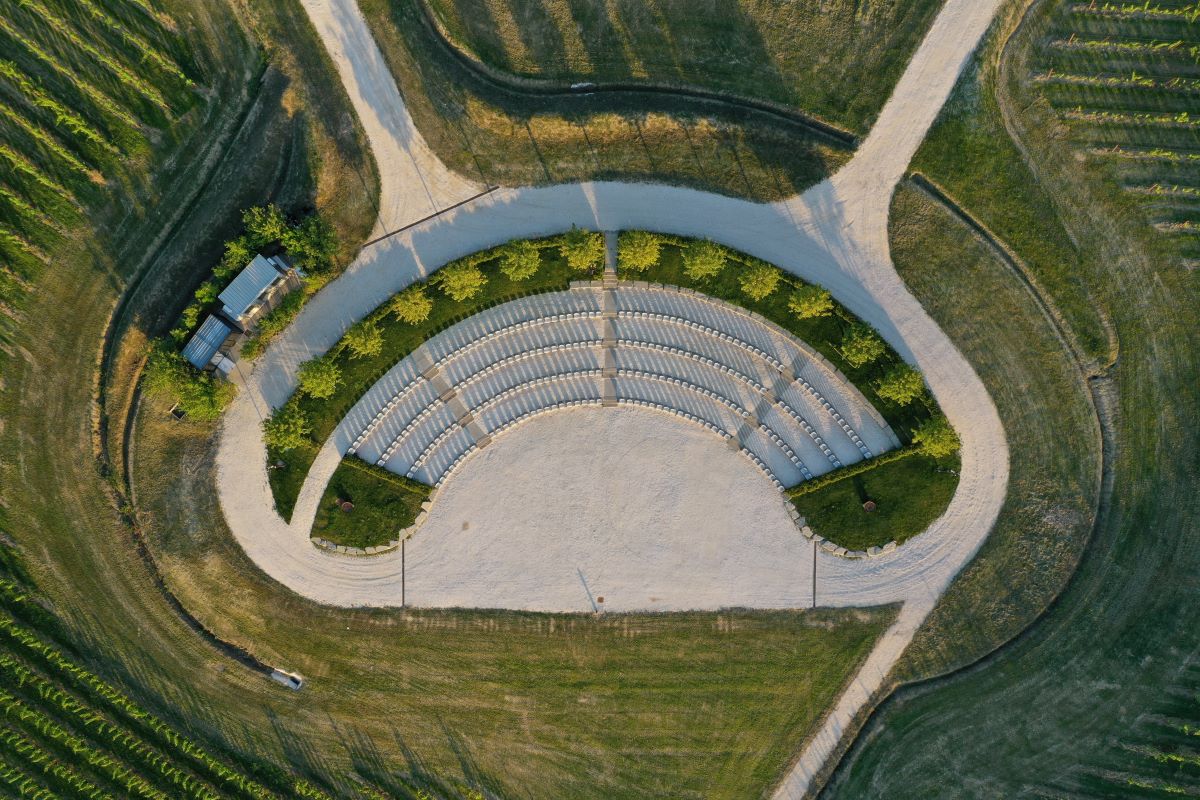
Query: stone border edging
x=830, y=547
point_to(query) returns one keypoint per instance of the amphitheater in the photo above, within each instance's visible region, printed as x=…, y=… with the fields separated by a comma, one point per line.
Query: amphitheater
x=765, y=393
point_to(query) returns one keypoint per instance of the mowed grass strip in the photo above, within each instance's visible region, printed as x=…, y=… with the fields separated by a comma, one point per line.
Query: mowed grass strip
x=759, y=49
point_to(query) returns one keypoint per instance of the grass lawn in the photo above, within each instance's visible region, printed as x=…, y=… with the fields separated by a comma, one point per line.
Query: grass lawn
x=710, y=705
x=384, y=504
x=517, y=138
x=909, y=494
x=753, y=48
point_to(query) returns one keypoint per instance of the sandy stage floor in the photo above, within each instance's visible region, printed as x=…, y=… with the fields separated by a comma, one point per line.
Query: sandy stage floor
x=637, y=507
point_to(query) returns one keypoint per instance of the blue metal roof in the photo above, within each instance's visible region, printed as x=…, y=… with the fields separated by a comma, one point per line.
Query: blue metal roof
x=247, y=286
x=205, y=342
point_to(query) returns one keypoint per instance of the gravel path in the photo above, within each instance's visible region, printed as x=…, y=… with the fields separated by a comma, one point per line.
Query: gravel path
x=835, y=234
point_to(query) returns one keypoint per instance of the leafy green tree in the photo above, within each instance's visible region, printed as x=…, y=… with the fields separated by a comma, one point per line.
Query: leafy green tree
x=312, y=244
x=861, y=346
x=582, y=249
x=319, y=377
x=902, y=385
x=460, y=281
x=810, y=301
x=238, y=253
x=638, y=250
x=412, y=305
x=198, y=395
x=520, y=259
x=264, y=225
x=703, y=259
x=760, y=281
x=936, y=438
x=364, y=340
x=286, y=429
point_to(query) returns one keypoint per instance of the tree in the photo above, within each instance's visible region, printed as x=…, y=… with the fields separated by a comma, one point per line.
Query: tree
x=412, y=305
x=264, y=225
x=312, y=244
x=810, y=301
x=319, y=377
x=936, y=438
x=638, y=250
x=198, y=395
x=583, y=250
x=861, y=346
x=238, y=253
x=286, y=429
x=760, y=281
x=364, y=340
x=704, y=259
x=520, y=259
x=902, y=385
x=460, y=281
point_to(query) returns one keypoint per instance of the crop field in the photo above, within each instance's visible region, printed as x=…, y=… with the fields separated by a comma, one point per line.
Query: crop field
x=87, y=90
x=751, y=49
x=1125, y=80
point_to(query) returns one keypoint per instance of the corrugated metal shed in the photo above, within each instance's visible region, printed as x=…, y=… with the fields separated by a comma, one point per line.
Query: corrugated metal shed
x=247, y=286
x=204, y=344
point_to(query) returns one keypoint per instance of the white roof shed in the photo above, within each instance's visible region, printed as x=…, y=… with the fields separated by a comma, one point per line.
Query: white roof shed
x=206, y=341
x=258, y=276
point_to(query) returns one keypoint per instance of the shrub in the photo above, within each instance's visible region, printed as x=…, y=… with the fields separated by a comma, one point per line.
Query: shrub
x=312, y=244
x=520, y=259
x=286, y=429
x=364, y=340
x=198, y=395
x=412, y=305
x=809, y=302
x=460, y=281
x=638, y=250
x=319, y=377
x=264, y=225
x=902, y=385
x=583, y=250
x=273, y=324
x=861, y=346
x=759, y=281
x=238, y=253
x=703, y=259
x=936, y=438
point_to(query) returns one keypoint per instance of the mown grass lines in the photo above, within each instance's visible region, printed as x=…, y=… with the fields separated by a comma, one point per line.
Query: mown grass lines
x=1124, y=77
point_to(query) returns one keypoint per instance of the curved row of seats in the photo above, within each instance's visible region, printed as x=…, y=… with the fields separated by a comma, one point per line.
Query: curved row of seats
x=707, y=362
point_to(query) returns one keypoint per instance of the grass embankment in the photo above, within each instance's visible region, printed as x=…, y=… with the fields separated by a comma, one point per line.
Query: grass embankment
x=760, y=49
x=1108, y=718
x=824, y=333
x=384, y=504
x=909, y=493
x=515, y=138
x=400, y=339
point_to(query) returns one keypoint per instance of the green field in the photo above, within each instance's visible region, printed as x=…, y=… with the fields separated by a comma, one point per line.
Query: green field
x=759, y=49
x=1111, y=667
x=384, y=504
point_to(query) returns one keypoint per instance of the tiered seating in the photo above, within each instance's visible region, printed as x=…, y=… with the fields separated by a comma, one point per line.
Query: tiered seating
x=747, y=382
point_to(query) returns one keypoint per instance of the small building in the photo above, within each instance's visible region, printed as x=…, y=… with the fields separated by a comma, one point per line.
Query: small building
x=256, y=289
x=206, y=349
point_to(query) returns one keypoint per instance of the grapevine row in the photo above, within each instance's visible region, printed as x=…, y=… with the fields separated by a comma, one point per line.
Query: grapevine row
x=62, y=115
x=117, y=68
x=30, y=752
x=23, y=784
x=1130, y=81
x=26, y=167
x=148, y=51
x=43, y=138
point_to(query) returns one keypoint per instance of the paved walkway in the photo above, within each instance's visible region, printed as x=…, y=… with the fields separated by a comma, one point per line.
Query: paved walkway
x=835, y=234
